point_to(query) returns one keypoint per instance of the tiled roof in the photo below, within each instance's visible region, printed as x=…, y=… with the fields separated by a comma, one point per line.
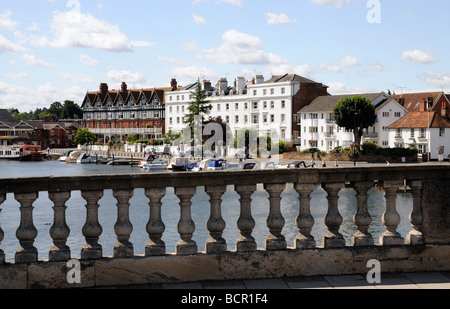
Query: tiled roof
x=6, y=116
x=327, y=103
x=412, y=100
x=417, y=119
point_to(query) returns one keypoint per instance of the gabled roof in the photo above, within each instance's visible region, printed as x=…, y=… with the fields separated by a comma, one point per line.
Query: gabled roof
x=422, y=120
x=382, y=104
x=328, y=103
x=5, y=115
x=289, y=78
x=412, y=100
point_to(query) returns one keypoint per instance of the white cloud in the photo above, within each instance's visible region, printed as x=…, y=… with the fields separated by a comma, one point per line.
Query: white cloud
x=281, y=19
x=33, y=61
x=337, y=88
x=238, y=3
x=198, y=19
x=86, y=60
x=336, y=3
x=129, y=77
x=7, y=46
x=75, y=29
x=142, y=43
x=26, y=98
x=346, y=62
x=302, y=70
x=437, y=80
x=241, y=48
x=191, y=73
x=78, y=78
x=418, y=56
x=6, y=22
x=15, y=76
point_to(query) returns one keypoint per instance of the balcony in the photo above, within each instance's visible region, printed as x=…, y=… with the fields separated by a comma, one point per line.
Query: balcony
x=127, y=131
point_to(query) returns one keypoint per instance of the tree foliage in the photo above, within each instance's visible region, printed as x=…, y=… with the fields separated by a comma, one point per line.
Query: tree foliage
x=198, y=109
x=84, y=136
x=56, y=111
x=355, y=114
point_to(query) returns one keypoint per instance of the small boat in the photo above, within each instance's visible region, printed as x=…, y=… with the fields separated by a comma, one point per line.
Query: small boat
x=148, y=158
x=157, y=164
x=267, y=165
x=201, y=166
x=117, y=161
x=217, y=164
x=179, y=164
x=73, y=157
x=64, y=157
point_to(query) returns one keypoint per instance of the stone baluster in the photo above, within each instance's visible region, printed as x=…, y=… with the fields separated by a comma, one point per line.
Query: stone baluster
x=362, y=218
x=59, y=231
x=27, y=232
x=333, y=219
x=305, y=220
x=155, y=226
x=391, y=218
x=415, y=237
x=186, y=226
x=216, y=224
x=92, y=228
x=2, y=234
x=275, y=220
x=245, y=223
x=123, y=248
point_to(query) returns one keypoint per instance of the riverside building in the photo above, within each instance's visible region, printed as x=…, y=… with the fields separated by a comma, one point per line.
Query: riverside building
x=116, y=114
x=267, y=107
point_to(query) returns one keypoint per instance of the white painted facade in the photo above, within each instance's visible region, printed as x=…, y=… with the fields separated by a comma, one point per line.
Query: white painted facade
x=318, y=129
x=260, y=105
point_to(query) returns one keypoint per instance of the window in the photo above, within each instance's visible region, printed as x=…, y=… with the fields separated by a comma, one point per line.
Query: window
x=255, y=119
x=227, y=107
x=441, y=132
x=283, y=118
x=283, y=104
x=236, y=106
x=245, y=119
x=283, y=90
x=399, y=133
x=236, y=119
x=272, y=104
x=255, y=92
x=422, y=133
x=255, y=105
x=385, y=114
x=272, y=91
x=397, y=114
x=272, y=118
x=412, y=132
x=264, y=91
x=385, y=143
x=265, y=104
x=218, y=107
x=265, y=118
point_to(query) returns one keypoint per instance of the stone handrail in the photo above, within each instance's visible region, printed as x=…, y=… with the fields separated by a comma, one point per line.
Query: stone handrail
x=429, y=217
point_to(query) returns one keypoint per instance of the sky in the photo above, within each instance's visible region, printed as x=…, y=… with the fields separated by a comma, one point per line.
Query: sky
x=56, y=50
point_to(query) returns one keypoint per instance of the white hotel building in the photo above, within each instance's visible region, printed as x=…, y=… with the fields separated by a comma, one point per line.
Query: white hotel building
x=264, y=106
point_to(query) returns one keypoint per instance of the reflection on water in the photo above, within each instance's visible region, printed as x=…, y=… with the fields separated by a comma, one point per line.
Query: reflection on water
x=139, y=212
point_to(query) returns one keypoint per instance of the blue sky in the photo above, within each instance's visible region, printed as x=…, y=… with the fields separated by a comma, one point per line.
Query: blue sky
x=53, y=50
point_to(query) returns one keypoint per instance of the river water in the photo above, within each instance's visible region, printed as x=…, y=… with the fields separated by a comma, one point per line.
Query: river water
x=139, y=212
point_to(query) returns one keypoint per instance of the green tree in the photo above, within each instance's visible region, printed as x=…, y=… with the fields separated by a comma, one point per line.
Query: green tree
x=355, y=113
x=55, y=109
x=198, y=107
x=71, y=110
x=84, y=136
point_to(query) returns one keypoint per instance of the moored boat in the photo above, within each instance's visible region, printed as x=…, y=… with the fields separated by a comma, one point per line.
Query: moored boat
x=21, y=153
x=157, y=164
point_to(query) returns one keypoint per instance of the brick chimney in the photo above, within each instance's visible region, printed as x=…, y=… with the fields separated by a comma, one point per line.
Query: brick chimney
x=103, y=88
x=422, y=105
x=124, y=87
x=444, y=110
x=174, y=84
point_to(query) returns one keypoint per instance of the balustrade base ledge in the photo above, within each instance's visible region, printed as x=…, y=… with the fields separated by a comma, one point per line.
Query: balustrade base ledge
x=230, y=265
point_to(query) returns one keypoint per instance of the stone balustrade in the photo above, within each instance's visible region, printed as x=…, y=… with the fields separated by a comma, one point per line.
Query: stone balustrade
x=426, y=247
